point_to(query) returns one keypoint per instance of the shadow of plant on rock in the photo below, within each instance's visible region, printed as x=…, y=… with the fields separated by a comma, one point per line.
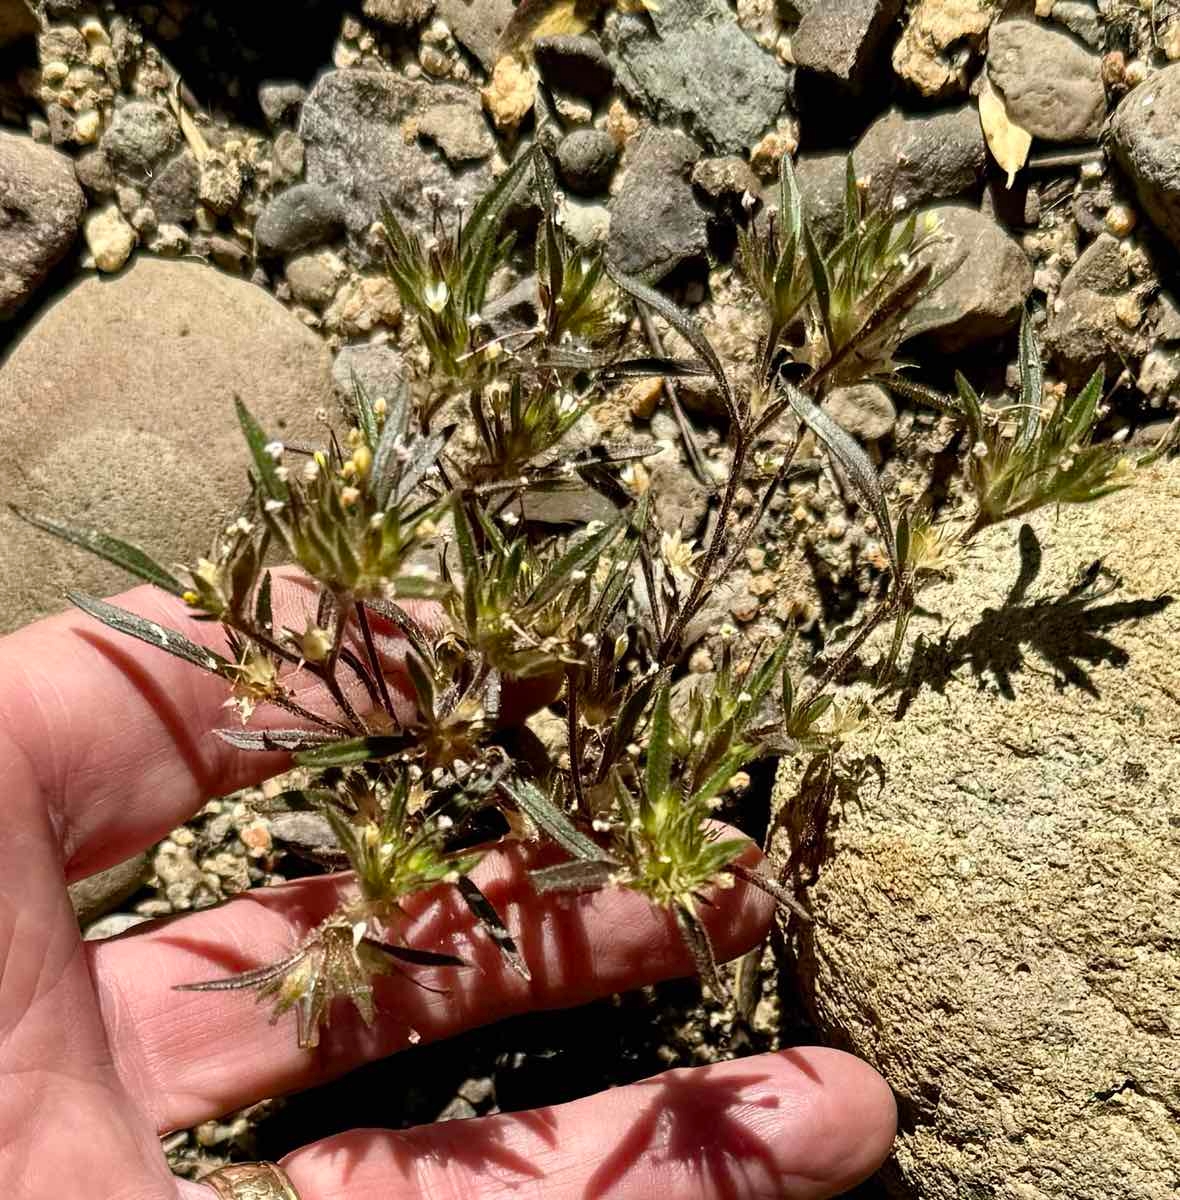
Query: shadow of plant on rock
x=1067, y=633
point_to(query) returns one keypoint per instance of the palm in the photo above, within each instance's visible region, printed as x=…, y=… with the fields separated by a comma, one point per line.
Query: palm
x=104, y=746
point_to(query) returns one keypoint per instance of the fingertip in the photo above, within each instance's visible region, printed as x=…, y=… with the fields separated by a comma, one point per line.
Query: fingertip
x=851, y=1119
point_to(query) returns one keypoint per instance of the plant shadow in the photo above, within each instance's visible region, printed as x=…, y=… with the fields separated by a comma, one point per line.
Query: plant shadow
x=1068, y=633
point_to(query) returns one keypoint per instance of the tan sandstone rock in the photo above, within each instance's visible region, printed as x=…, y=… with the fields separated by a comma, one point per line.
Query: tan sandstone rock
x=998, y=925
x=116, y=410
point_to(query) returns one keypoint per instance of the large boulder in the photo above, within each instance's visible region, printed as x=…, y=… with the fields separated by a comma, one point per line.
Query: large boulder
x=116, y=410
x=41, y=208
x=998, y=911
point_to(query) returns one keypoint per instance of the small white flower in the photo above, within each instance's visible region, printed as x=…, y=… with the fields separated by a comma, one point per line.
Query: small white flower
x=274, y=450
x=436, y=295
x=577, y=576
x=358, y=932
x=444, y=822
x=600, y=826
x=311, y=471
x=748, y=199
x=283, y=473
x=979, y=449
x=273, y=506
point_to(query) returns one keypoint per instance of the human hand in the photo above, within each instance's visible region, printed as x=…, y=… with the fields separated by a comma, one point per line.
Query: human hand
x=104, y=747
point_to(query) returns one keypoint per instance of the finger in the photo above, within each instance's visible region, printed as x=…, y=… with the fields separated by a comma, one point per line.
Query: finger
x=190, y=1056
x=119, y=734
x=798, y=1125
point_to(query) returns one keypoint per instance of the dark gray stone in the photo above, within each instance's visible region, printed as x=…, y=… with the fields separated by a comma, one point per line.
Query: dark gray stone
x=575, y=64
x=984, y=294
x=656, y=222
x=174, y=189
x=94, y=172
x=1052, y=85
x=844, y=40
x=1084, y=331
x=912, y=161
x=378, y=368
x=1081, y=18
x=307, y=214
x=41, y=208
x=138, y=137
x=1145, y=134
x=586, y=160
x=821, y=186
x=352, y=130
x=692, y=63
x=477, y=24
x=280, y=101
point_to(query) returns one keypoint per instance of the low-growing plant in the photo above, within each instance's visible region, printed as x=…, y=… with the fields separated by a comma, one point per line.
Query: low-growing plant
x=427, y=495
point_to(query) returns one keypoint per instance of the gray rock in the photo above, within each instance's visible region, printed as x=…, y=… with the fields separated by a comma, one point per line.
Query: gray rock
x=821, y=180
x=1084, y=331
x=458, y=130
x=922, y=158
x=174, y=188
x=1081, y=18
x=302, y=216
x=377, y=367
x=477, y=24
x=352, y=129
x=96, y=895
x=693, y=63
x=16, y=20
x=575, y=64
x=304, y=831
x=842, y=40
x=656, y=222
x=41, y=208
x=586, y=160
x=865, y=410
x=996, y=927
x=280, y=101
x=315, y=277
x=1145, y=133
x=94, y=172
x=118, y=404
x=139, y=136
x=983, y=297
x=1052, y=86
x=287, y=158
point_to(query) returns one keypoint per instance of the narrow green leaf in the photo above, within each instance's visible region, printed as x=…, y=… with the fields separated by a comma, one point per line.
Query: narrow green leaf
x=658, y=777
x=550, y=820
x=1032, y=384
x=266, y=466
x=150, y=632
x=822, y=285
x=682, y=323
x=855, y=463
x=349, y=751
x=122, y=554
x=581, y=555
x=972, y=406
x=366, y=418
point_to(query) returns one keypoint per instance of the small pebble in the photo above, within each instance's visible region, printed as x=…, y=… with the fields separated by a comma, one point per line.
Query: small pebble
x=1120, y=219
